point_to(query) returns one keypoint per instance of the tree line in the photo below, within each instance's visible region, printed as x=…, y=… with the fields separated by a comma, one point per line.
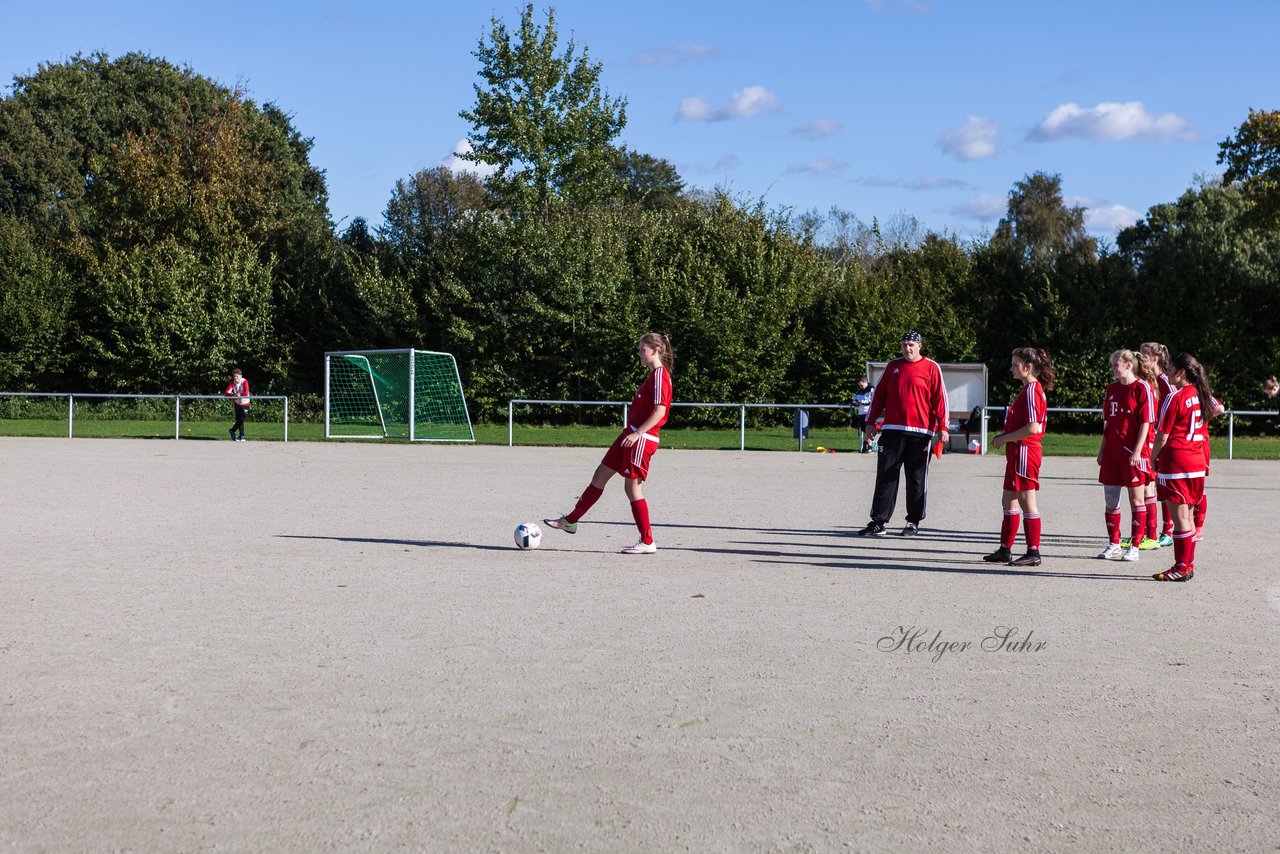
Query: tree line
x=157, y=227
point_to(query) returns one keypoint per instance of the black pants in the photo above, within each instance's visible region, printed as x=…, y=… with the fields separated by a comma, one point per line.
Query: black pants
x=898, y=450
x=241, y=412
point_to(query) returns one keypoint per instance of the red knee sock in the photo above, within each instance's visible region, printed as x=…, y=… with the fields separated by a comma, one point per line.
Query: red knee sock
x=1031, y=530
x=589, y=496
x=640, y=512
x=1166, y=526
x=1009, y=528
x=1113, y=525
x=1184, y=547
x=1201, y=509
x=1153, y=518
x=1138, y=526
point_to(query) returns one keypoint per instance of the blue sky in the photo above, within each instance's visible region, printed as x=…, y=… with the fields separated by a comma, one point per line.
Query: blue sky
x=878, y=107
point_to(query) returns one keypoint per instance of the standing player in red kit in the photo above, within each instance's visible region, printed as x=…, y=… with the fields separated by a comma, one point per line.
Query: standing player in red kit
x=1155, y=357
x=1128, y=411
x=1182, y=459
x=913, y=402
x=630, y=453
x=1024, y=423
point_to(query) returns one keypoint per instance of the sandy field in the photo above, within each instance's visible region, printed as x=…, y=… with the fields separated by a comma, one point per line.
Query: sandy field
x=211, y=646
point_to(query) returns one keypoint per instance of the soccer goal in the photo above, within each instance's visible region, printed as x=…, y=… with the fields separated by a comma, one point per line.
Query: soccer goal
x=394, y=394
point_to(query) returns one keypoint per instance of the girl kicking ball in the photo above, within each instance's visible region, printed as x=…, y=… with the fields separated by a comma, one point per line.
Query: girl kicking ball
x=630, y=453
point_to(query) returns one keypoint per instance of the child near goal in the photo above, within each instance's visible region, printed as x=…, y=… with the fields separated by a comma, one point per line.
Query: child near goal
x=630, y=453
x=1024, y=424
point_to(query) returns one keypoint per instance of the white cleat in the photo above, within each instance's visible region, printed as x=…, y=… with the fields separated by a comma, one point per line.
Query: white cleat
x=1130, y=554
x=640, y=548
x=1111, y=552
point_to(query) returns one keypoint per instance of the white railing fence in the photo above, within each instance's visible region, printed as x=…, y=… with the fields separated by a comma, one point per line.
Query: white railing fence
x=177, y=399
x=741, y=407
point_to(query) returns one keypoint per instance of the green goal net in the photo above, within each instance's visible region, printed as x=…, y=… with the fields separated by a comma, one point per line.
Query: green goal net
x=394, y=394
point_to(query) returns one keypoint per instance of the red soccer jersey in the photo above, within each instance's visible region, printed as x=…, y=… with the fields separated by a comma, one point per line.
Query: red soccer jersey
x=1030, y=405
x=1185, y=453
x=653, y=392
x=1125, y=408
x=911, y=397
x=238, y=390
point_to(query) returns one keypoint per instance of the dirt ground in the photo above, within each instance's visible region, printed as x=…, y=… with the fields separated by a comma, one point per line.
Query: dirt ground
x=335, y=647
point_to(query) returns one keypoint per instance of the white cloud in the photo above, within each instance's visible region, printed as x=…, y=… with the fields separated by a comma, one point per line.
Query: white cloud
x=1110, y=218
x=924, y=182
x=1112, y=121
x=817, y=129
x=821, y=166
x=985, y=207
x=455, y=163
x=751, y=101
x=726, y=162
x=975, y=140
x=675, y=55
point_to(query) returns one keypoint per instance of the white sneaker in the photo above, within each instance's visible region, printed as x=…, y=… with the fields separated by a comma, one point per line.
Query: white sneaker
x=641, y=548
x=1111, y=552
x=1130, y=553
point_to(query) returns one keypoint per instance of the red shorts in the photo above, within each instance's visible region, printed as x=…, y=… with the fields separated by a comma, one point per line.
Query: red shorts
x=1022, y=467
x=1117, y=472
x=633, y=461
x=1182, y=490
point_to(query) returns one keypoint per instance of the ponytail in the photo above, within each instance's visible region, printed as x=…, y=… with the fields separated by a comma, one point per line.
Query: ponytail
x=1197, y=375
x=1040, y=364
x=662, y=344
x=1160, y=353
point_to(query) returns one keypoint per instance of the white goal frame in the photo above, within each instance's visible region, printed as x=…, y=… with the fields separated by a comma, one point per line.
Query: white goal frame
x=411, y=355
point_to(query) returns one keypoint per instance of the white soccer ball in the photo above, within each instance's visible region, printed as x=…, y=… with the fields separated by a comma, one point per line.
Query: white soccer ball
x=528, y=536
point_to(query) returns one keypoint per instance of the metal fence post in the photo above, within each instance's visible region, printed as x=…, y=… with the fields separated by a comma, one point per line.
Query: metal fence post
x=742, y=428
x=1231, y=433
x=71, y=416
x=511, y=418
x=286, y=418
x=177, y=416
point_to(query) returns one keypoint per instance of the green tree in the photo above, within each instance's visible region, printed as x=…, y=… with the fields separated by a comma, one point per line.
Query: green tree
x=1252, y=157
x=1209, y=286
x=647, y=181
x=139, y=179
x=1039, y=227
x=542, y=119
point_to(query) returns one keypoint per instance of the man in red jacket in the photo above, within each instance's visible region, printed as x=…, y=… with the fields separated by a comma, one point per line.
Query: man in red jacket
x=912, y=400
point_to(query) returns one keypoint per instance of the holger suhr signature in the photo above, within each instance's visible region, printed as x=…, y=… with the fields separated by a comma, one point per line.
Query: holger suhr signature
x=932, y=643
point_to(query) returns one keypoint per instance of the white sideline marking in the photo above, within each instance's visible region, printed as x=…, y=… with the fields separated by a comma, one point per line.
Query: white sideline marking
x=1273, y=596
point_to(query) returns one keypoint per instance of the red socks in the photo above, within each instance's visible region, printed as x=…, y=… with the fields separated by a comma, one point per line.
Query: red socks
x=1113, y=525
x=1031, y=530
x=1009, y=528
x=1153, y=518
x=1184, y=548
x=640, y=512
x=589, y=496
x=1201, y=509
x=1138, y=527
